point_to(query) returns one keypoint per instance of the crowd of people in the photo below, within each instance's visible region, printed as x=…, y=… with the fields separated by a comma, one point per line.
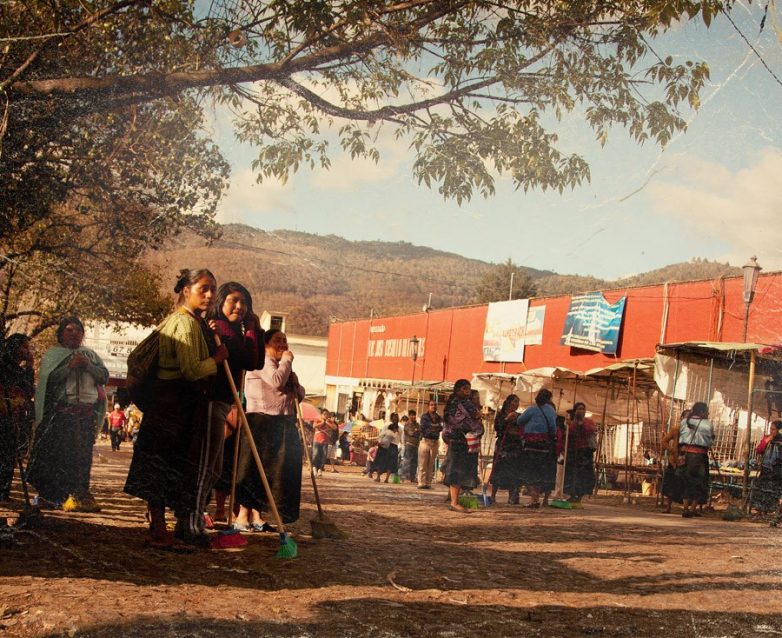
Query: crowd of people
x=190, y=446
x=527, y=449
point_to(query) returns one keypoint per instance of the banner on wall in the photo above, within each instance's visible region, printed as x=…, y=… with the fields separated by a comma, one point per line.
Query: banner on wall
x=593, y=324
x=503, y=336
x=535, y=318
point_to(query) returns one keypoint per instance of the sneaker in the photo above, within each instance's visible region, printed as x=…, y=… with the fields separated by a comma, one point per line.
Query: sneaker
x=71, y=504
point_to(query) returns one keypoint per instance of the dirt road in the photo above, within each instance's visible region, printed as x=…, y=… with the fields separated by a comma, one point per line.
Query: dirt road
x=410, y=568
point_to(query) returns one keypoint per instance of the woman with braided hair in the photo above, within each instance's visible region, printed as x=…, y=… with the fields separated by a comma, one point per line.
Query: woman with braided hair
x=172, y=457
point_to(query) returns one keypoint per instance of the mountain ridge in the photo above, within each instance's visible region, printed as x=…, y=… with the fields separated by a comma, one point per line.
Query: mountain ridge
x=320, y=278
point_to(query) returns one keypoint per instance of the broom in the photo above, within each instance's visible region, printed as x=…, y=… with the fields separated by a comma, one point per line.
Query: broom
x=230, y=538
x=237, y=444
x=558, y=501
x=321, y=527
x=31, y=516
x=288, y=547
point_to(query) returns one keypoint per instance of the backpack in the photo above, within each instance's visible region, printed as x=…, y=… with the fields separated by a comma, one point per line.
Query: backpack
x=142, y=370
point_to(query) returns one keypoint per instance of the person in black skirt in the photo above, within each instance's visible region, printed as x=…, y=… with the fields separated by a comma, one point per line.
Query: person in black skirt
x=461, y=417
x=387, y=457
x=506, y=463
x=539, y=461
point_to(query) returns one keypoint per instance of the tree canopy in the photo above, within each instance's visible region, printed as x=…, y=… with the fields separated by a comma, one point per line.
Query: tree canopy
x=505, y=281
x=102, y=104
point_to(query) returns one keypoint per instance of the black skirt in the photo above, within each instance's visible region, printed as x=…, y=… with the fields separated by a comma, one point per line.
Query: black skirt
x=280, y=449
x=506, y=473
x=461, y=466
x=386, y=460
x=169, y=464
x=61, y=458
x=694, y=477
x=539, y=469
x=579, y=473
x=672, y=485
x=767, y=490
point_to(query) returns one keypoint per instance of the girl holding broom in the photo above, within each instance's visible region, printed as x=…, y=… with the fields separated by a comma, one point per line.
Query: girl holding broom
x=233, y=319
x=271, y=412
x=171, y=458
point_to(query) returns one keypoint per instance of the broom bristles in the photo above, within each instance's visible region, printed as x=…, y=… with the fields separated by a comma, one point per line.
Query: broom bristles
x=322, y=528
x=288, y=547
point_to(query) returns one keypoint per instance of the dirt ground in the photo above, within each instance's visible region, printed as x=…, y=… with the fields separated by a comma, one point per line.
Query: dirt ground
x=409, y=568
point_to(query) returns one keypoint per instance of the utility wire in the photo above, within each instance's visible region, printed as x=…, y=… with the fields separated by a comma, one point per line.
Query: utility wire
x=754, y=50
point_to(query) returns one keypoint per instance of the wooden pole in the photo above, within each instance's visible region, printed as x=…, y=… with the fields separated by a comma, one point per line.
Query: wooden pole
x=601, y=433
x=627, y=441
x=750, y=396
x=635, y=411
x=248, y=433
x=237, y=443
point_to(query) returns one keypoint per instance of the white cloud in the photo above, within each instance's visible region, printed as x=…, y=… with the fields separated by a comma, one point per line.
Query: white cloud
x=347, y=174
x=742, y=208
x=246, y=200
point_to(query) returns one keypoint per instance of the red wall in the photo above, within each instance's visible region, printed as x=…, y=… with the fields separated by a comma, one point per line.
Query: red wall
x=452, y=339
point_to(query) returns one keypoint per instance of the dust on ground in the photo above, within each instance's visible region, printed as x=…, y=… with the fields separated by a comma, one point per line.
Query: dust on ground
x=409, y=568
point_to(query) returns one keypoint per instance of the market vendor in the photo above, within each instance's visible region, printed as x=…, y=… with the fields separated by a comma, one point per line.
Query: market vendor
x=767, y=490
x=696, y=436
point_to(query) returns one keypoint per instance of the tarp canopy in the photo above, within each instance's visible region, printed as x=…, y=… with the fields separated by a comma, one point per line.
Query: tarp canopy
x=717, y=373
x=608, y=389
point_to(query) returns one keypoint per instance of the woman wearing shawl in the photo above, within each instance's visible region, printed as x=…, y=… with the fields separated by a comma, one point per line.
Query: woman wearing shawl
x=579, y=467
x=461, y=416
x=70, y=405
x=172, y=456
x=387, y=455
x=696, y=436
x=16, y=407
x=539, y=460
x=506, y=464
x=767, y=490
x=233, y=319
x=271, y=412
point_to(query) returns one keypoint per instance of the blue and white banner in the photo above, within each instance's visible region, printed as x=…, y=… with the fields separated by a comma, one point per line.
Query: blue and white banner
x=593, y=324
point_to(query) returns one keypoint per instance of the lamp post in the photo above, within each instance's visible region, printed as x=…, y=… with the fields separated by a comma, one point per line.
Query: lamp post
x=751, y=272
x=414, y=356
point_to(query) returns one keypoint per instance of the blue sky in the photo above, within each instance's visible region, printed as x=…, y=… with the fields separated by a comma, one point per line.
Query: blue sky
x=712, y=192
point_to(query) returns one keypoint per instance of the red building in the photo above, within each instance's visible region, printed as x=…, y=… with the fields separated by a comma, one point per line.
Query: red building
x=378, y=353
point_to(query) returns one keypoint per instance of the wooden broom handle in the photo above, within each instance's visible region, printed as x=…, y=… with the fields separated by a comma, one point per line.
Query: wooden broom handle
x=248, y=433
x=300, y=423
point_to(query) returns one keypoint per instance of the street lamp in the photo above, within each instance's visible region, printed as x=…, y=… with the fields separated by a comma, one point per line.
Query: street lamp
x=414, y=356
x=751, y=272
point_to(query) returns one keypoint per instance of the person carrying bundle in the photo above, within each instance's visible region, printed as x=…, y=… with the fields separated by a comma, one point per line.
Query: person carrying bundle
x=696, y=436
x=539, y=460
x=70, y=403
x=767, y=490
x=172, y=457
x=462, y=418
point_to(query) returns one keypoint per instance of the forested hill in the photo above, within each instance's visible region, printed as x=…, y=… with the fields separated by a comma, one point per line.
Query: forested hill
x=319, y=278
